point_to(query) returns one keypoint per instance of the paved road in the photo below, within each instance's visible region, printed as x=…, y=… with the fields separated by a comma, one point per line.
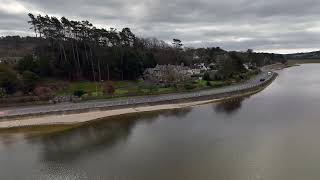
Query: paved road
x=69, y=107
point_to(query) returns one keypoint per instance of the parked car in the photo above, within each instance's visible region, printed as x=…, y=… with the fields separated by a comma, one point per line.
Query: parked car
x=262, y=80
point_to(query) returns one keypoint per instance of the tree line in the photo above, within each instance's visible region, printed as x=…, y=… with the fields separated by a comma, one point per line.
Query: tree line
x=79, y=50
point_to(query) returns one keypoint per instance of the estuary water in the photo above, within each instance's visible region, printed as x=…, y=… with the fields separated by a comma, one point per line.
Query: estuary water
x=273, y=135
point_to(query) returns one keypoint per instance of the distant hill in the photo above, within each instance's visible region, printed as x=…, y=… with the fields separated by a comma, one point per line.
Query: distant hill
x=15, y=46
x=308, y=55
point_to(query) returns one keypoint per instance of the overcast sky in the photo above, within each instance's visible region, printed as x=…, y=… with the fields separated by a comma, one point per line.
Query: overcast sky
x=263, y=25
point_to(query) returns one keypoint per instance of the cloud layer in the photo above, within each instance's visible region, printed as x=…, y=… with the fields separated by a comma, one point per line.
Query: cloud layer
x=273, y=25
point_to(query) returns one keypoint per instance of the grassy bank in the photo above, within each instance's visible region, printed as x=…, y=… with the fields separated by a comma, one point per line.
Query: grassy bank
x=134, y=88
x=122, y=89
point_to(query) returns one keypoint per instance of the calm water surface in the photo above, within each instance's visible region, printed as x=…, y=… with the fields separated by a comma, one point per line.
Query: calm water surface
x=274, y=135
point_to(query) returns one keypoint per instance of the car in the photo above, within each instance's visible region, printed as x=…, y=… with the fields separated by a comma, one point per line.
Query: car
x=269, y=73
x=262, y=80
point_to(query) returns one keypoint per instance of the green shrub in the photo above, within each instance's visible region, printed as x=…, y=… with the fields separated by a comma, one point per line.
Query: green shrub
x=79, y=93
x=27, y=64
x=108, y=88
x=8, y=79
x=178, y=86
x=216, y=84
x=29, y=81
x=206, y=76
x=150, y=86
x=202, y=83
x=257, y=71
x=238, y=78
x=227, y=82
x=244, y=76
x=189, y=86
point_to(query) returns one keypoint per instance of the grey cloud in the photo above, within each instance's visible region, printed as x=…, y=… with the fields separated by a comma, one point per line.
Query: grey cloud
x=230, y=24
x=12, y=22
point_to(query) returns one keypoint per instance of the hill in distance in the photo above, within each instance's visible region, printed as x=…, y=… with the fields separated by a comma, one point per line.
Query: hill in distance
x=308, y=55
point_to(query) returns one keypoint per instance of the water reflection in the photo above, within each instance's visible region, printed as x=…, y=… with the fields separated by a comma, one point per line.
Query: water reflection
x=229, y=107
x=98, y=136
x=7, y=139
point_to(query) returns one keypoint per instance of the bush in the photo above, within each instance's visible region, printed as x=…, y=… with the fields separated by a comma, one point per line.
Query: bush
x=43, y=91
x=79, y=93
x=228, y=82
x=212, y=76
x=27, y=64
x=190, y=86
x=237, y=78
x=206, y=76
x=244, y=76
x=29, y=81
x=217, y=84
x=108, y=88
x=178, y=86
x=8, y=79
x=151, y=87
